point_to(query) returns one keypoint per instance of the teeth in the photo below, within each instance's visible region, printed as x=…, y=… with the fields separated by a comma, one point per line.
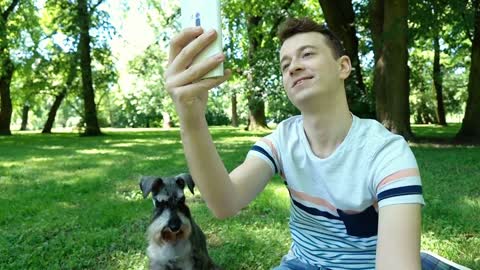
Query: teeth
x=298, y=82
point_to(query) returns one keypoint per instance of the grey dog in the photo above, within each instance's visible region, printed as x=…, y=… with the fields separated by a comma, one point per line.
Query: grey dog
x=176, y=242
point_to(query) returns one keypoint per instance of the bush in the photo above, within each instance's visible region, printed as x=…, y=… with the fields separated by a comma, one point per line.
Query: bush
x=217, y=117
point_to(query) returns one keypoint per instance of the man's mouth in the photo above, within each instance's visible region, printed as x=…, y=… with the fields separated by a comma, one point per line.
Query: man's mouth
x=301, y=80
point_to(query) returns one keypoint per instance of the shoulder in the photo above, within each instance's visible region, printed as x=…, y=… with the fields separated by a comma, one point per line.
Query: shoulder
x=290, y=122
x=288, y=129
x=376, y=138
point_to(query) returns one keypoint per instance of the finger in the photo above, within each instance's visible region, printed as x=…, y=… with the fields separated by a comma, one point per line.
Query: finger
x=185, y=57
x=181, y=40
x=204, y=85
x=196, y=71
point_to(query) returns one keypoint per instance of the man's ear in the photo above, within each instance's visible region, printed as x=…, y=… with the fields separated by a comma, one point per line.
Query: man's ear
x=183, y=179
x=345, y=67
x=148, y=183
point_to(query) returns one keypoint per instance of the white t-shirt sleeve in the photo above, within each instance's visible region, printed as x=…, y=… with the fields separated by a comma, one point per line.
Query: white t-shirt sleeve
x=395, y=174
x=266, y=149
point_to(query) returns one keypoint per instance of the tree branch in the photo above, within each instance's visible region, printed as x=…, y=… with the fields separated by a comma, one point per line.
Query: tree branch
x=10, y=9
x=94, y=7
x=464, y=17
x=273, y=31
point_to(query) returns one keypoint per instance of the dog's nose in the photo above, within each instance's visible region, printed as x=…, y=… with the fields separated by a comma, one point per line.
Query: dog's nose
x=174, y=225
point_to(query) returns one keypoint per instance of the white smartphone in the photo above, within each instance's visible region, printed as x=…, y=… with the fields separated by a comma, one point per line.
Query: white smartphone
x=204, y=13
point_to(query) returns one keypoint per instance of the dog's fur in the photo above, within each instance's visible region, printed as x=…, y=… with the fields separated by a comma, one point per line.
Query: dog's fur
x=175, y=240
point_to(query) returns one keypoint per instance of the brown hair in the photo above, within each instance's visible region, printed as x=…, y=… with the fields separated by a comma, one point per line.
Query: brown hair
x=293, y=26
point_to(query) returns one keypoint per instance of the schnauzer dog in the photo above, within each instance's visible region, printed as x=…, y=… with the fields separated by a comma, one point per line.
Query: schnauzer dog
x=176, y=242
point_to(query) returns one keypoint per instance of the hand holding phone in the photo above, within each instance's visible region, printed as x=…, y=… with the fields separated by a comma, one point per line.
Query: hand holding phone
x=204, y=13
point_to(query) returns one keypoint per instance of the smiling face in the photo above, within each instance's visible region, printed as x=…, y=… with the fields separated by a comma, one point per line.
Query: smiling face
x=310, y=70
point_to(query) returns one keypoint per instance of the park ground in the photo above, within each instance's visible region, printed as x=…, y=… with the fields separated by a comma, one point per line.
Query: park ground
x=70, y=202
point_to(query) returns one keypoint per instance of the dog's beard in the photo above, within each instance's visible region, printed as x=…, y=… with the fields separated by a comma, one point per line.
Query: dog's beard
x=159, y=232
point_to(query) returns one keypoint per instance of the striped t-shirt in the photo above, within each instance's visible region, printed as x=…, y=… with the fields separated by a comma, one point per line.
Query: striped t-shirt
x=335, y=200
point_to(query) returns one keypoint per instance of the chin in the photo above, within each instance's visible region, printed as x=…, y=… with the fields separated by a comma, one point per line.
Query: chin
x=307, y=97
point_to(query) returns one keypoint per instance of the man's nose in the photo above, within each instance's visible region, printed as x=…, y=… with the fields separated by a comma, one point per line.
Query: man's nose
x=295, y=66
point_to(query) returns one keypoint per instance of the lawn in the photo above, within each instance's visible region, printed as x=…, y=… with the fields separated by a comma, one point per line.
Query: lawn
x=70, y=202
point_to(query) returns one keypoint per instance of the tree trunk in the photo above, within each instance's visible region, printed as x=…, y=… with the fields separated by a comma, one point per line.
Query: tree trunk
x=376, y=26
x=25, y=110
x=340, y=18
x=437, y=81
x=395, y=39
x=6, y=71
x=470, y=130
x=47, y=128
x=52, y=114
x=92, y=128
x=5, y=99
x=256, y=118
x=389, y=33
x=256, y=105
x=437, y=68
x=234, y=110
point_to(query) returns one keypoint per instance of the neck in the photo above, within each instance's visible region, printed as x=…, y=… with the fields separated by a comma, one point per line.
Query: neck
x=327, y=125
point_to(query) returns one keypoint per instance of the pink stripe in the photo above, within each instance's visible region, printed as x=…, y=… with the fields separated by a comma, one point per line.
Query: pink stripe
x=275, y=154
x=314, y=200
x=397, y=176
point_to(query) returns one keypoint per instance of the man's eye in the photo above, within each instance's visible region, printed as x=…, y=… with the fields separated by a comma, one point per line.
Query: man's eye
x=307, y=54
x=284, y=67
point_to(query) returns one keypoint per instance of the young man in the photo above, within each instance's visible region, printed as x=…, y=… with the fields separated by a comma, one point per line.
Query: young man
x=355, y=188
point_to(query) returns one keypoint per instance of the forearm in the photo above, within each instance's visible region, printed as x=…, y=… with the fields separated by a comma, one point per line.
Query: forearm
x=189, y=92
x=207, y=168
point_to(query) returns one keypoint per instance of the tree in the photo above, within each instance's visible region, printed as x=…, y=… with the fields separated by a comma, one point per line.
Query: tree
x=84, y=14
x=147, y=103
x=340, y=18
x=429, y=19
x=470, y=129
x=59, y=97
x=6, y=71
x=252, y=44
x=391, y=77
x=437, y=72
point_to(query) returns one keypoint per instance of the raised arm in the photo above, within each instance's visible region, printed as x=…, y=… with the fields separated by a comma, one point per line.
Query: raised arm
x=224, y=194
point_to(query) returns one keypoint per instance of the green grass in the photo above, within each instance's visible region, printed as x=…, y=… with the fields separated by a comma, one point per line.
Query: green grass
x=69, y=202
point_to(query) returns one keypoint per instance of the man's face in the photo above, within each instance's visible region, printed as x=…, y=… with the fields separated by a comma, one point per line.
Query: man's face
x=309, y=68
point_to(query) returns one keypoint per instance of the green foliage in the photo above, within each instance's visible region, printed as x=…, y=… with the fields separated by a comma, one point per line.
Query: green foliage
x=216, y=117
x=42, y=73
x=41, y=40
x=75, y=203
x=429, y=19
x=142, y=106
x=261, y=75
x=216, y=114
x=279, y=107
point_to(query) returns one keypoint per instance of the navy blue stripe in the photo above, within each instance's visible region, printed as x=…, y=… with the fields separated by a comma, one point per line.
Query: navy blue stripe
x=400, y=191
x=265, y=153
x=314, y=211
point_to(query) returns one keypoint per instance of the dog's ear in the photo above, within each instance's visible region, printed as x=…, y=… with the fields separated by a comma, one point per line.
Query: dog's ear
x=149, y=183
x=183, y=179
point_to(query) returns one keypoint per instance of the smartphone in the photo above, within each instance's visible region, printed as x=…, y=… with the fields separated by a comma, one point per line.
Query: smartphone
x=204, y=13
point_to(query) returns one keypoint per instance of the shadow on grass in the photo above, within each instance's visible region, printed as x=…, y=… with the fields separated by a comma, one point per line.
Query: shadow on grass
x=441, y=136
